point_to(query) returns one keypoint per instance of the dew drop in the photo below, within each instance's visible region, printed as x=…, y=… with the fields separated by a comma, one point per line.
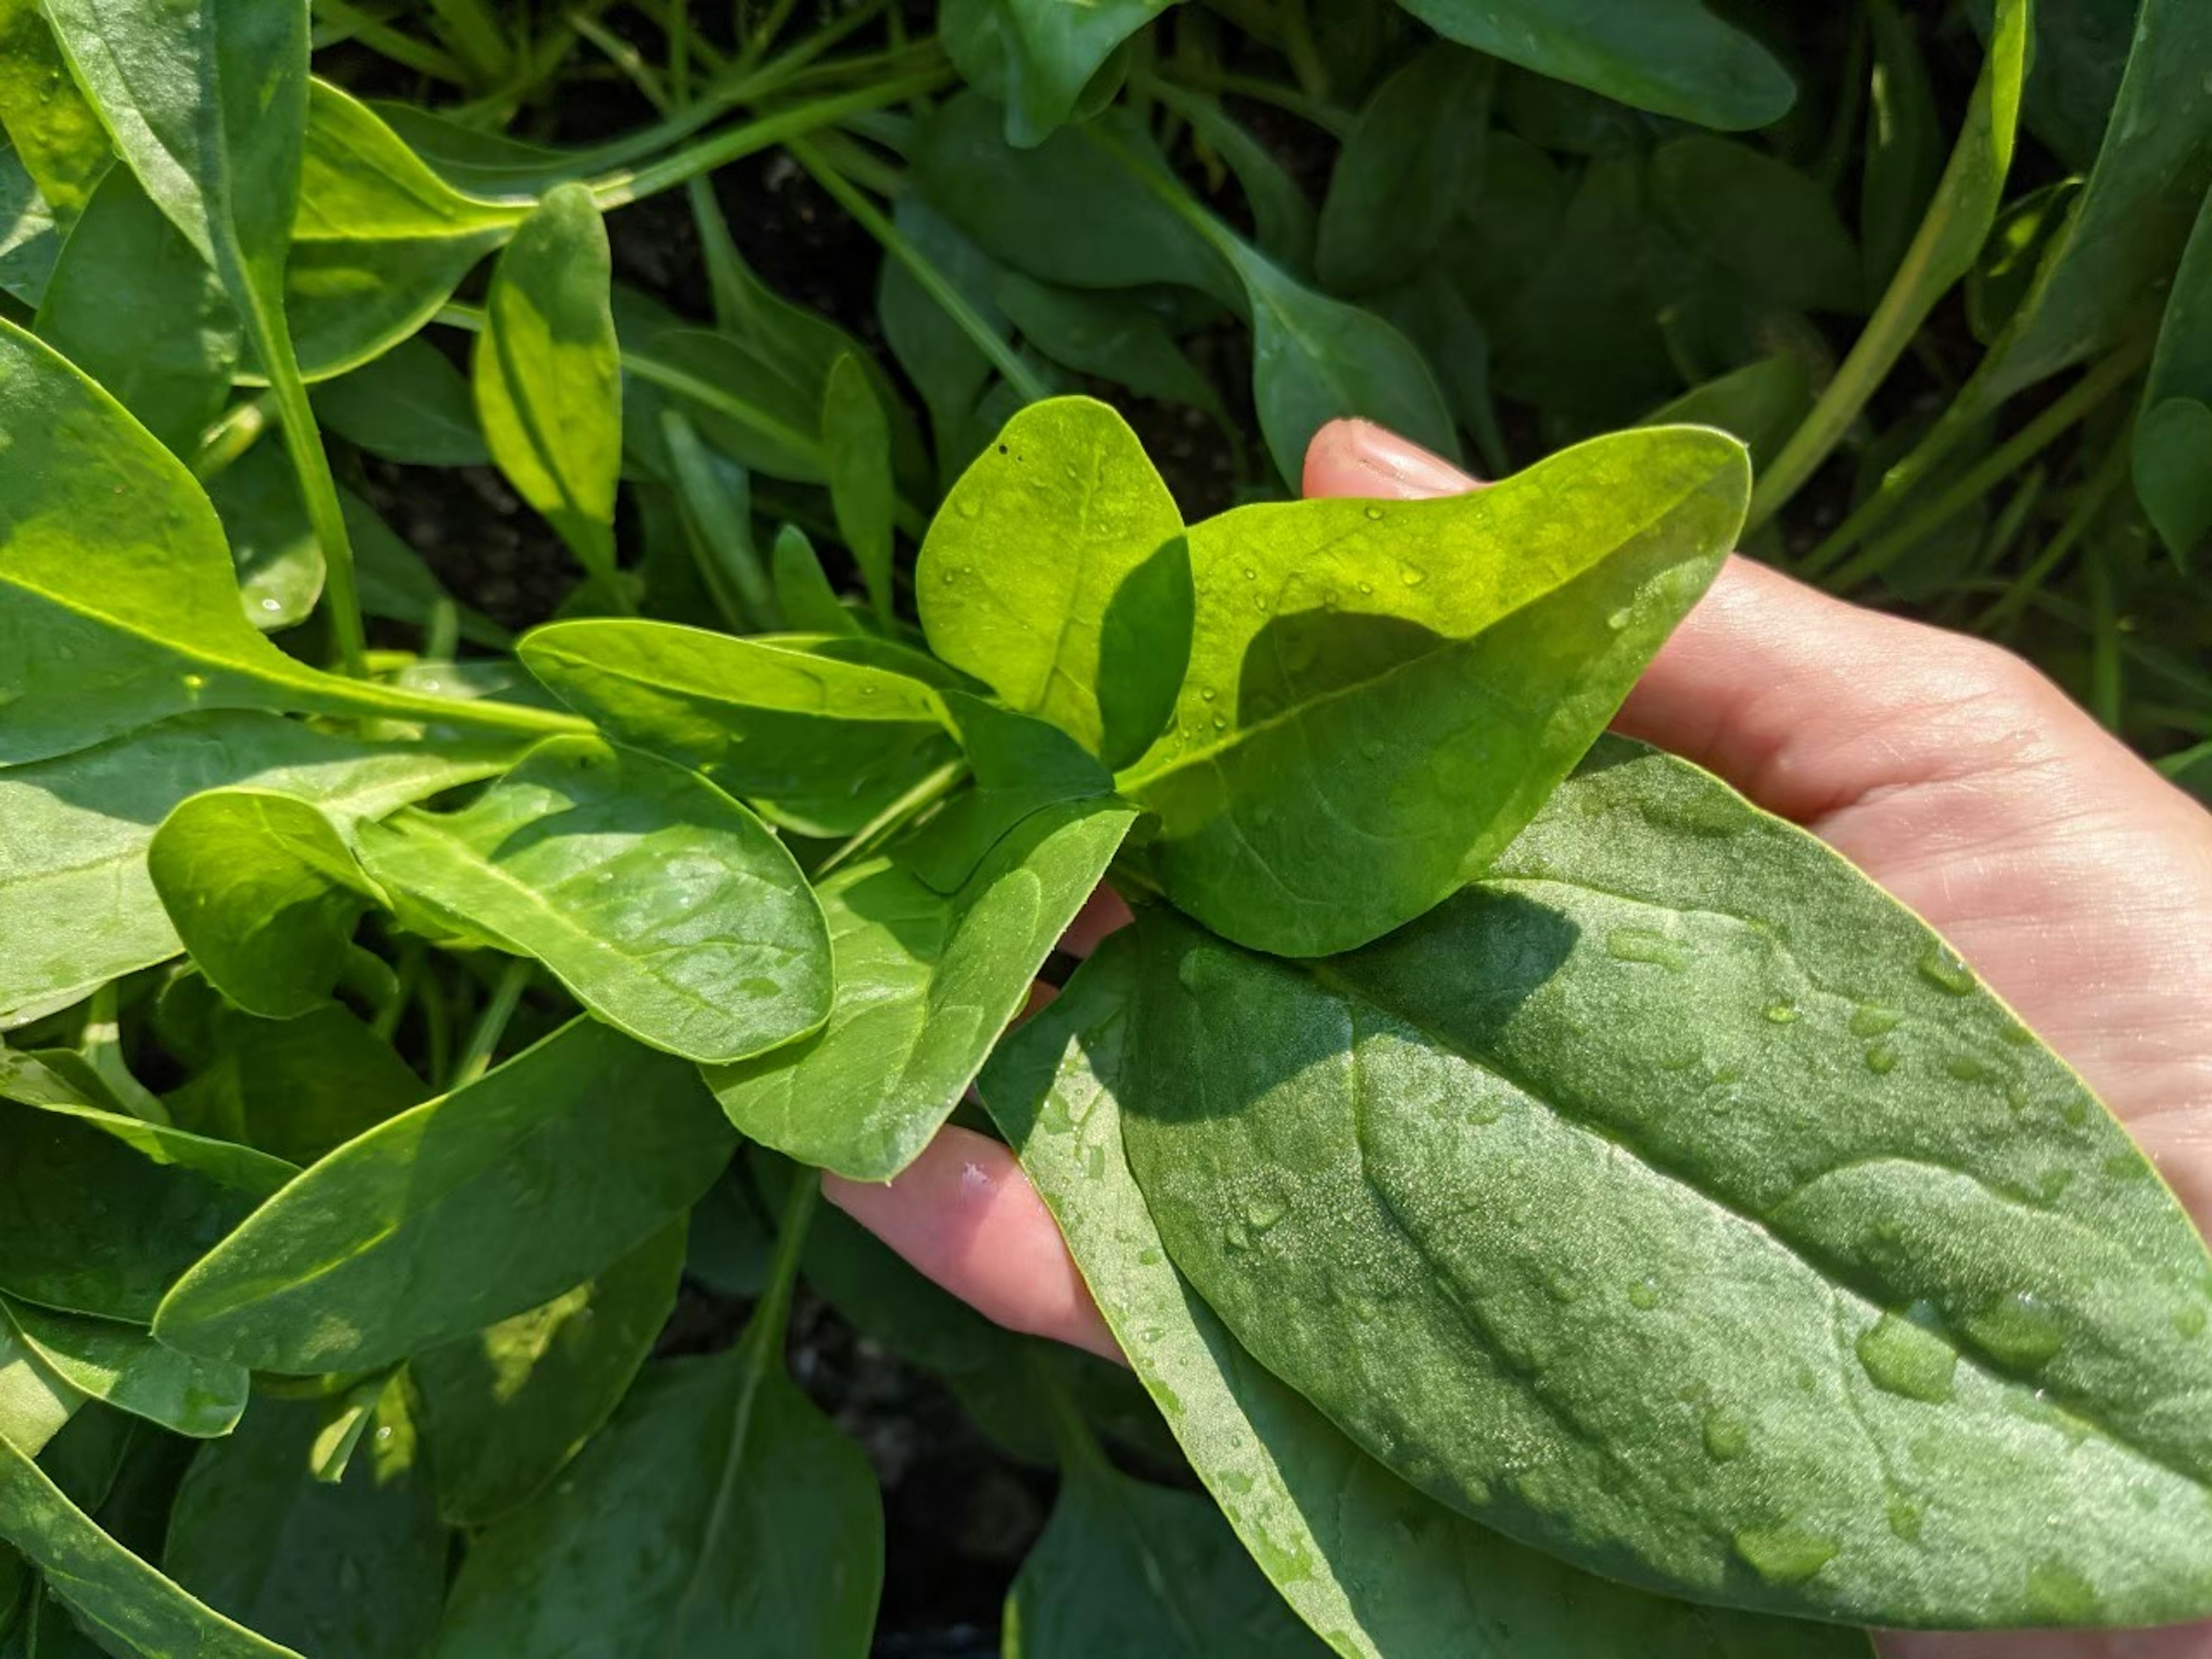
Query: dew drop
x=1782, y=1013
x=1620, y=619
x=1785, y=1555
x=1727, y=1434
x=1942, y=968
x=1881, y=1060
x=970, y=507
x=1644, y=1295
x=1563, y=1287
x=1902, y=1358
x=1264, y=1215
x=195, y=682
x=1904, y=1519
x=2189, y=1321
x=1208, y=693
x=1221, y=722
x=2057, y=1594
x=1367, y=587
x=1149, y=1257
x=1374, y=513
x=1872, y=1019
x=2016, y=1329
x=1643, y=944
x=1250, y=574
x=1412, y=576
x=1965, y=1068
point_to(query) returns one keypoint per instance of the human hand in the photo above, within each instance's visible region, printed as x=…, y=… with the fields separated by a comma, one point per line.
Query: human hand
x=2076, y=881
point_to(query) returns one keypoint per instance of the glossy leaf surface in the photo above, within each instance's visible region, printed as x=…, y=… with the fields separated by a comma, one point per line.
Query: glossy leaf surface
x=1035, y=58
x=544, y=1172
x=667, y=909
x=121, y=1365
x=1396, y=687
x=1861, y=1273
x=410, y=405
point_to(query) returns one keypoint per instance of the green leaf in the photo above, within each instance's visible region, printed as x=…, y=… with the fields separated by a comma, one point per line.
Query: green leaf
x=664, y=906
x=719, y=1512
x=2080, y=54
x=348, y=1570
x=274, y=550
x=946, y=366
x=812, y=733
x=1903, y=145
x=57, y=134
x=1122, y=340
x=714, y=496
x=29, y=243
x=104, y=1212
x=549, y=375
x=124, y=1367
x=36, y=1404
x=109, y=1588
x=1383, y=1571
x=1676, y=1202
x=1394, y=689
x=802, y=592
x=1759, y=404
x=298, y=1089
x=1671, y=57
x=508, y=1407
x=1760, y=220
x=1057, y=572
x=856, y=447
x=410, y=405
x=133, y=305
x=1035, y=58
x=78, y=906
x=2173, y=435
x=264, y=893
x=543, y=1173
x=926, y=983
x=1396, y=186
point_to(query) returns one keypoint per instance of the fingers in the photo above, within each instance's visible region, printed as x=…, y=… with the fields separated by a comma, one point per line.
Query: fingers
x=964, y=1215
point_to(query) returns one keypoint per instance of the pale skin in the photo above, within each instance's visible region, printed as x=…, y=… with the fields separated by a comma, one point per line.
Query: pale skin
x=2074, y=880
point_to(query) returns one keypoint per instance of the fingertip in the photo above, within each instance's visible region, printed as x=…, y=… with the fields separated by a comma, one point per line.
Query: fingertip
x=1359, y=458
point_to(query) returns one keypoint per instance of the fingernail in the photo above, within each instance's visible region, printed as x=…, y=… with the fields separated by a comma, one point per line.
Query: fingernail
x=1406, y=467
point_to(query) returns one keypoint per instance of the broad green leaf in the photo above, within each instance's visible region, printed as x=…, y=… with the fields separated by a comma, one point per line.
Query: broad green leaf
x=1117, y=339
x=1284, y=225
x=1382, y=1571
x=1035, y=58
x=817, y=742
x=133, y=305
x=2173, y=435
x=667, y=909
x=108, y=1588
x=380, y=241
x=348, y=1570
x=2106, y=275
x=1128, y=1571
x=102, y=1213
x=1903, y=145
x=1760, y=220
x=29, y=244
x=43, y=113
x=926, y=983
x=410, y=405
x=714, y=497
x=856, y=449
x=802, y=592
x=2005, y=270
x=36, y=1404
x=1057, y=572
x=1672, y=56
x=1759, y=404
x=508, y=1407
x=719, y=1512
x=124, y=1367
x=275, y=553
x=1395, y=185
x=297, y=1089
x=77, y=902
x=549, y=375
x=1674, y=1200
x=541, y=1174
x=1017, y=766
x=946, y=366
x=264, y=893
x=1394, y=689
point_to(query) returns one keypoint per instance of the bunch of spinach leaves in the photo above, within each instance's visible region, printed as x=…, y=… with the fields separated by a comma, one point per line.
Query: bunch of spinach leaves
x=1552, y=1206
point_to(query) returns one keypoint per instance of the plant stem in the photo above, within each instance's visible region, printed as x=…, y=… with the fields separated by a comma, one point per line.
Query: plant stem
x=491, y=1024
x=987, y=339
x=303, y=441
x=371, y=701
x=879, y=828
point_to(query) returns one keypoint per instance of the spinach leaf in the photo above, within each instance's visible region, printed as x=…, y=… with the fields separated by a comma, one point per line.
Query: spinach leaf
x=1760, y=220
x=1903, y=145
x=122, y=1366
x=1057, y=572
x=132, y=303
x=29, y=243
x=78, y=905
x=1117, y=338
x=926, y=982
x=1038, y=58
x=1396, y=186
x=668, y=909
x=802, y=592
x=1383, y=1572
x=544, y=1172
x=510, y=1406
x=256, y=1534
x=547, y=377
x=36, y=1404
x=1396, y=687
x=58, y=134
x=1673, y=57
x=812, y=733
x=410, y=405
x=297, y=1089
x=276, y=556
x=856, y=449
x=2173, y=433
x=1759, y=404
x=1799, y=1260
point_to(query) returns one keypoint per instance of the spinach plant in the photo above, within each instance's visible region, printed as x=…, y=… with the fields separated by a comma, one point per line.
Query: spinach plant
x=1548, y=1204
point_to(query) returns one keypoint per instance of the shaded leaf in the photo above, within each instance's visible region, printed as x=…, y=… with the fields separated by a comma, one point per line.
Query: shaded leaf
x=122, y=1366
x=410, y=405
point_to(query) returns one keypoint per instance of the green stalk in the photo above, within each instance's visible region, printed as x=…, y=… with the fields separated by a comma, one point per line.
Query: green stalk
x=491, y=1024
x=474, y=34
x=987, y=339
x=910, y=805
x=370, y=701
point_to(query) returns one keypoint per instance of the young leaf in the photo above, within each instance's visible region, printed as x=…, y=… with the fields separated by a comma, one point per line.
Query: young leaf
x=1680, y=1161
x=132, y=304
x=410, y=405
x=664, y=906
x=1383, y=1572
x=29, y=243
x=122, y=1366
x=1035, y=58
x=543, y=1173
x=1671, y=57
x=1904, y=146
x=803, y=593
x=2173, y=435
x=275, y=553
x=264, y=894
x=1396, y=186
x=549, y=377
x=508, y=1407
x=1760, y=220
x=1118, y=339
x=1057, y=572
x=926, y=982
x=297, y=1089
x=856, y=446
x=78, y=906
x=255, y=1534
x=110, y=1589
x=812, y=733
x=947, y=367
x=1394, y=689
x=1759, y=404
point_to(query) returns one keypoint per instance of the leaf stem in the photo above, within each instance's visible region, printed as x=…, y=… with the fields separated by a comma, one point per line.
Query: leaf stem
x=879, y=828
x=375, y=701
x=2110, y=473
x=491, y=1025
